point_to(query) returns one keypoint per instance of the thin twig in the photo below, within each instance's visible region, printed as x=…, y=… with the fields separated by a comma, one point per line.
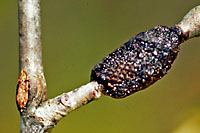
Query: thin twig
x=31, y=89
x=190, y=24
x=30, y=50
x=54, y=109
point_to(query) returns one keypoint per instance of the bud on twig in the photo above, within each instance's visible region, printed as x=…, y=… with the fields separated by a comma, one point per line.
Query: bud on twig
x=145, y=58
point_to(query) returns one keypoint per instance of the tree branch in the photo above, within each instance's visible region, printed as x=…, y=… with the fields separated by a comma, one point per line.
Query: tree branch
x=31, y=89
x=38, y=115
x=54, y=109
x=30, y=51
x=190, y=24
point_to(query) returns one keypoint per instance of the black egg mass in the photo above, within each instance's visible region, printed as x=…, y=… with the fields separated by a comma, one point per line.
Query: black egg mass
x=140, y=62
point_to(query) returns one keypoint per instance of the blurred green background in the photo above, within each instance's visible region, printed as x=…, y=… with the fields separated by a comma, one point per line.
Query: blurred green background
x=77, y=34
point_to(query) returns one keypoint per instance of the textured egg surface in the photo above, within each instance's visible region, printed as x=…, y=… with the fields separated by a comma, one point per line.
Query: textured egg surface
x=140, y=62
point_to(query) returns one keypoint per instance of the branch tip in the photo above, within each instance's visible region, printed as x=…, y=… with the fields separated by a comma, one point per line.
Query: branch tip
x=190, y=24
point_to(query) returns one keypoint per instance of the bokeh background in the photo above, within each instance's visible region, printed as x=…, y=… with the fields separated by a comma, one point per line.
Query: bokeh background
x=77, y=34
